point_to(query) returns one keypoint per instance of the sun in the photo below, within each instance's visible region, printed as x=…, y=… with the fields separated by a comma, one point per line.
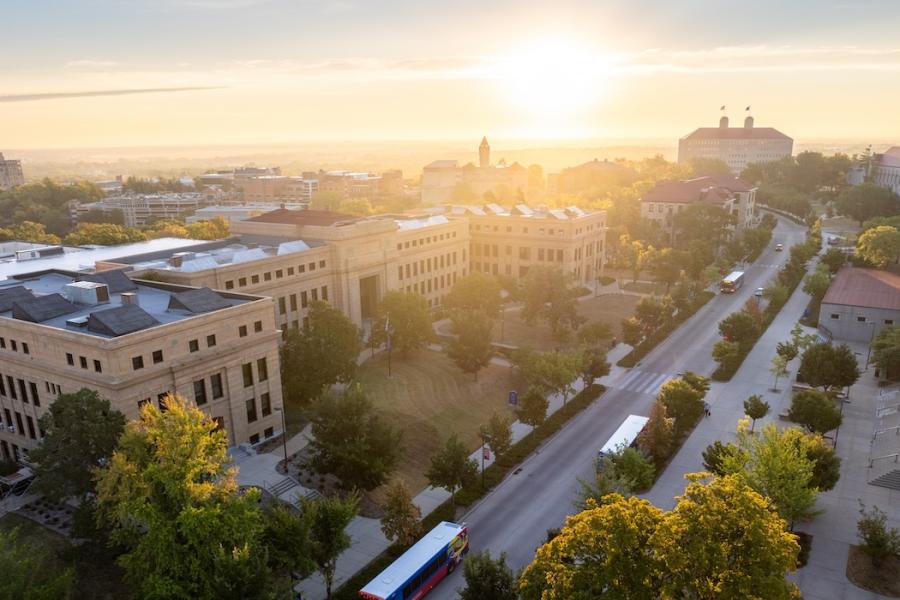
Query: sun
x=552, y=79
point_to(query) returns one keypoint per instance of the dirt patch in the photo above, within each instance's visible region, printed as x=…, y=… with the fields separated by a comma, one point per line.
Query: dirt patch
x=884, y=580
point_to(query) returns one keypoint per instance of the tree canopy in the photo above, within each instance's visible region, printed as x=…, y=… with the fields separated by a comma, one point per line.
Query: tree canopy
x=487, y=578
x=451, y=468
x=476, y=291
x=886, y=351
x=879, y=246
x=815, y=411
x=829, y=367
x=867, y=201
x=403, y=319
x=471, y=349
x=549, y=297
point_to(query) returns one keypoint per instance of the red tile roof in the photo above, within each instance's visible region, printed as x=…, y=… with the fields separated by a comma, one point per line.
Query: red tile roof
x=714, y=189
x=302, y=217
x=736, y=133
x=869, y=288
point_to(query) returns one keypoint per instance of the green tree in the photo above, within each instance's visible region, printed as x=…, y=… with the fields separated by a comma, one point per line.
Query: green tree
x=330, y=201
x=471, y=349
x=633, y=255
x=708, y=166
x=633, y=466
x=29, y=572
x=328, y=518
x=755, y=240
x=879, y=246
x=488, y=579
x=787, y=350
x=80, y=433
x=594, y=366
x=401, y=520
x=829, y=367
x=607, y=480
x=775, y=466
x=451, y=468
x=601, y=552
x=404, y=319
x=352, y=440
x=779, y=369
x=554, y=372
x=801, y=341
x=826, y=463
x=702, y=221
x=171, y=497
x=533, y=405
x=867, y=201
x=683, y=402
x=727, y=354
x=834, y=258
x=497, y=433
x=331, y=342
x=286, y=537
x=594, y=334
x=548, y=296
x=722, y=541
x=104, y=234
x=877, y=541
x=739, y=327
x=815, y=411
x=28, y=231
x=755, y=408
x=666, y=265
x=816, y=283
x=476, y=291
x=657, y=436
x=714, y=457
x=886, y=352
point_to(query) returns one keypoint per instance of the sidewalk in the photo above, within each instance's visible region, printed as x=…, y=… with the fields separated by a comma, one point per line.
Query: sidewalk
x=368, y=541
x=833, y=530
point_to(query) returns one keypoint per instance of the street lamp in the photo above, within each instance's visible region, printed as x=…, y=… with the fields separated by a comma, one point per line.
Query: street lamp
x=284, y=437
x=871, y=338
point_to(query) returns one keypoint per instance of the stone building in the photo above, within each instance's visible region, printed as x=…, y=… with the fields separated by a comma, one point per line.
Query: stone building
x=444, y=181
x=737, y=147
x=10, y=173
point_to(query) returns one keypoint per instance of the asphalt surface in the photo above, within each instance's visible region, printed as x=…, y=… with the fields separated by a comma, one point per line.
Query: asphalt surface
x=516, y=515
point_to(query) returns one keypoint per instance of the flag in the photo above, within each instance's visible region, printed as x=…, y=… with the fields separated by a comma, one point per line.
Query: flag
x=748, y=108
x=723, y=107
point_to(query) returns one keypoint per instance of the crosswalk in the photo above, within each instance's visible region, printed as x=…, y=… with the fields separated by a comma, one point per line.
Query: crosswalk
x=642, y=382
x=778, y=266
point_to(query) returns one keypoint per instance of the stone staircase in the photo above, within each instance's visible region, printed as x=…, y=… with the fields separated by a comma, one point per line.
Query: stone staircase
x=288, y=489
x=890, y=480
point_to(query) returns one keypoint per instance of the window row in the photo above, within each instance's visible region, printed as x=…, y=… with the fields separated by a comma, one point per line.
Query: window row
x=194, y=345
x=267, y=432
x=14, y=345
x=21, y=426
x=278, y=274
x=257, y=328
x=433, y=284
x=216, y=389
x=10, y=389
x=306, y=296
x=83, y=362
x=265, y=406
x=262, y=371
x=861, y=319
x=427, y=265
x=137, y=362
x=426, y=240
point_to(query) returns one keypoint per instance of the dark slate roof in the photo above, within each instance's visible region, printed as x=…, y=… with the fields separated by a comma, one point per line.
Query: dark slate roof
x=10, y=295
x=42, y=308
x=202, y=300
x=115, y=279
x=120, y=320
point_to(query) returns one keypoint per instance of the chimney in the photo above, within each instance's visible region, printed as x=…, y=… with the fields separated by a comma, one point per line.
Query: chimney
x=130, y=299
x=748, y=123
x=723, y=123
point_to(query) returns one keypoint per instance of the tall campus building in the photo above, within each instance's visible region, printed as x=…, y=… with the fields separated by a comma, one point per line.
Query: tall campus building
x=204, y=319
x=10, y=173
x=737, y=147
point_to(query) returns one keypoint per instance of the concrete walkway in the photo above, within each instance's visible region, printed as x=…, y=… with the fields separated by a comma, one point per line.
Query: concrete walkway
x=835, y=529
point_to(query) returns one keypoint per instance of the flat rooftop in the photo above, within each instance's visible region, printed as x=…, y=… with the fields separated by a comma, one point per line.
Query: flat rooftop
x=214, y=255
x=84, y=259
x=49, y=299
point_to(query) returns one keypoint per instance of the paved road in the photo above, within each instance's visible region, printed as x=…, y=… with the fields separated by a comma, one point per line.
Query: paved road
x=515, y=516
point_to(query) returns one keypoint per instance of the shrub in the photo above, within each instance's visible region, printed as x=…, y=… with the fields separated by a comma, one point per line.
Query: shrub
x=877, y=541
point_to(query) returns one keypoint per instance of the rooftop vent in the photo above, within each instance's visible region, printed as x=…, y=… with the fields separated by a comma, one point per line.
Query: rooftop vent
x=130, y=299
x=77, y=322
x=89, y=293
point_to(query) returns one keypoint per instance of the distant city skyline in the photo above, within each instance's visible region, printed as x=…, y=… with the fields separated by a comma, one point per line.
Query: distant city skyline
x=166, y=72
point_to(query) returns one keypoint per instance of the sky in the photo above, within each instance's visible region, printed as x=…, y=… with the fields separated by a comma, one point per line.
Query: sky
x=95, y=73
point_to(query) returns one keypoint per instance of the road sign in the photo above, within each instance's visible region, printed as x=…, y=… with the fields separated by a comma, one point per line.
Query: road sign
x=513, y=398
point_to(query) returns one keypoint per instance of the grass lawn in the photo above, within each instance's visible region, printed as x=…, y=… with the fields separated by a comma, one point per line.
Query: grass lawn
x=610, y=309
x=97, y=575
x=429, y=398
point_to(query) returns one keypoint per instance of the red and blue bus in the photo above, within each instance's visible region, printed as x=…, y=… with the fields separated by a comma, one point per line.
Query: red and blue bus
x=421, y=567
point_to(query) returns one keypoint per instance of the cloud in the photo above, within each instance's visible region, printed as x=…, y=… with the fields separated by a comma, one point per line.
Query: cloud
x=91, y=64
x=95, y=93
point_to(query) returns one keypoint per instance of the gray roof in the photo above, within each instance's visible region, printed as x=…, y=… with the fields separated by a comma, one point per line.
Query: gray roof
x=202, y=300
x=10, y=295
x=115, y=279
x=42, y=308
x=120, y=320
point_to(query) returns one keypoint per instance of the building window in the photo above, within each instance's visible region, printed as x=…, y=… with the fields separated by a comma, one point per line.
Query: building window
x=25, y=348
x=30, y=423
x=325, y=293
x=321, y=264
x=888, y=321
x=257, y=326
x=137, y=362
x=200, y=392
x=254, y=279
x=247, y=371
x=262, y=369
x=251, y=410
x=157, y=357
x=282, y=306
x=254, y=439
x=861, y=319
x=82, y=360
x=242, y=281
x=267, y=276
x=3, y=343
x=12, y=387
x=242, y=331
x=279, y=273
x=268, y=432
x=210, y=341
x=304, y=300
x=35, y=397
x=215, y=384
x=290, y=271
x=12, y=344
x=301, y=268
x=266, y=404
x=312, y=266
x=97, y=366
x=23, y=390
x=835, y=316
x=193, y=345
x=229, y=285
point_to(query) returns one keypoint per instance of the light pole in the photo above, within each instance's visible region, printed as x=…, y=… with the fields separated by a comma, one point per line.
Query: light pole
x=871, y=339
x=284, y=437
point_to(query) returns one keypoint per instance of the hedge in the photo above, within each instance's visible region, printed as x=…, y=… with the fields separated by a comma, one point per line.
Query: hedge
x=644, y=348
x=493, y=475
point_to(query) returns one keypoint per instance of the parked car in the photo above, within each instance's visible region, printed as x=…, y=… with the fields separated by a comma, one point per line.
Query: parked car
x=779, y=247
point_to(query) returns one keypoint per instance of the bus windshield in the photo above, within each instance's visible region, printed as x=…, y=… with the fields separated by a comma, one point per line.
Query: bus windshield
x=421, y=567
x=732, y=283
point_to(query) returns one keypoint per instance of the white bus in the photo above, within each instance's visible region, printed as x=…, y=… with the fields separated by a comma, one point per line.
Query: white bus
x=625, y=435
x=732, y=283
